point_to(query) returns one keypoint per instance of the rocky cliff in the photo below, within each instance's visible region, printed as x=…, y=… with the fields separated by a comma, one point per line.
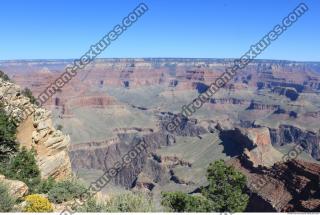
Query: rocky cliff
x=285, y=184
x=255, y=144
x=290, y=134
x=35, y=129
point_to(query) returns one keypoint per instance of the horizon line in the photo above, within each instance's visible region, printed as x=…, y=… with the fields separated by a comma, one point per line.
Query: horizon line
x=160, y=58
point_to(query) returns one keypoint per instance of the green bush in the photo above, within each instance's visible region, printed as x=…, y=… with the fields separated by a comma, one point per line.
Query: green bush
x=92, y=205
x=45, y=185
x=38, y=204
x=66, y=190
x=130, y=202
x=23, y=167
x=182, y=202
x=28, y=93
x=8, y=146
x=225, y=192
x=6, y=201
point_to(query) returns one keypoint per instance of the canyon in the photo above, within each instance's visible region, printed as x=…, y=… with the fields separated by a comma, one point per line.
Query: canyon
x=113, y=104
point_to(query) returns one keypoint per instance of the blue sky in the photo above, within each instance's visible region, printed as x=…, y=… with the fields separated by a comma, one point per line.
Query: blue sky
x=171, y=28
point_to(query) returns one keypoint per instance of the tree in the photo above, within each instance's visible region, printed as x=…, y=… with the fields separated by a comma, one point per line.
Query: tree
x=225, y=192
x=226, y=187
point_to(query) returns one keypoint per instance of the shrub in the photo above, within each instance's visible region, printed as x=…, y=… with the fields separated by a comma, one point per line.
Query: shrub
x=28, y=93
x=92, y=205
x=182, y=202
x=23, y=167
x=66, y=190
x=45, y=185
x=37, y=203
x=6, y=200
x=225, y=192
x=8, y=129
x=130, y=203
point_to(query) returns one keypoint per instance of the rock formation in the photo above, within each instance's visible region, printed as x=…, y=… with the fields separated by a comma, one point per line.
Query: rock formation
x=273, y=184
x=16, y=188
x=290, y=134
x=256, y=145
x=35, y=129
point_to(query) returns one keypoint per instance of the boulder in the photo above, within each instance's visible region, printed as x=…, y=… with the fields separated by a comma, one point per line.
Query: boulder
x=16, y=188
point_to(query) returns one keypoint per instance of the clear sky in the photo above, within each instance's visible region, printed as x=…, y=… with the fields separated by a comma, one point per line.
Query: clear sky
x=171, y=28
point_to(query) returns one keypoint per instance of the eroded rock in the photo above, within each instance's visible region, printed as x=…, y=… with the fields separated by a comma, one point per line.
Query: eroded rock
x=35, y=129
x=16, y=188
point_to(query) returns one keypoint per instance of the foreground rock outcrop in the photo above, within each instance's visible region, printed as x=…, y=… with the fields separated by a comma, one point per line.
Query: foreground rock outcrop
x=16, y=188
x=35, y=129
x=286, y=186
x=275, y=184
